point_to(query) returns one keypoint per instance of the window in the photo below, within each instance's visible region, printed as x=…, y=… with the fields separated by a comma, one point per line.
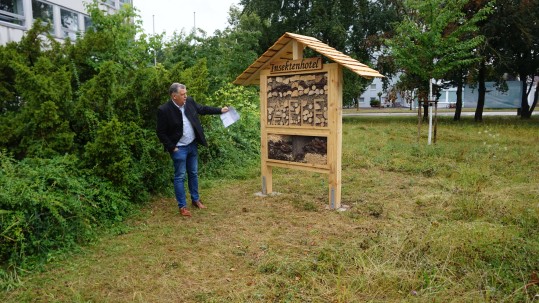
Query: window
x=87, y=23
x=110, y=2
x=12, y=11
x=43, y=11
x=70, y=23
x=373, y=86
x=125, y=2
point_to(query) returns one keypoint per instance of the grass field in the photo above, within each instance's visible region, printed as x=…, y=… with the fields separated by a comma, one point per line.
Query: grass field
x=457, y=221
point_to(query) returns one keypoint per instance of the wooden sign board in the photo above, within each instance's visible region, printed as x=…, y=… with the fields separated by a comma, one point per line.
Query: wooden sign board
x=301, y=125
x=294, y=66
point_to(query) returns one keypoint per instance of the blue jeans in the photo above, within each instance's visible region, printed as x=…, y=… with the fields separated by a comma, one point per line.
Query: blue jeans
x=185, y=160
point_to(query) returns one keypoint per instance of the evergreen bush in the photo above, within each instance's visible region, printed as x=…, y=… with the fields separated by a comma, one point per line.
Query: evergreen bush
x=50, y=204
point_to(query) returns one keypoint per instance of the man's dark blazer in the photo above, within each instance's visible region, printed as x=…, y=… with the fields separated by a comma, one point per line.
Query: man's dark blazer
x=170, y=122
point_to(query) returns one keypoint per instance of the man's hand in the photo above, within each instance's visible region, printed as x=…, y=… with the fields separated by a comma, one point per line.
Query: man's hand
x=224, y=110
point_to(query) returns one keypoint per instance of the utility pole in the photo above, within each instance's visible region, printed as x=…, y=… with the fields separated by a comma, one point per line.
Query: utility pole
x=154, y=51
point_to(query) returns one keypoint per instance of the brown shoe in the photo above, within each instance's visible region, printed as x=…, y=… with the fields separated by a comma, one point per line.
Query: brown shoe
x=184, y=212
x=198, y=204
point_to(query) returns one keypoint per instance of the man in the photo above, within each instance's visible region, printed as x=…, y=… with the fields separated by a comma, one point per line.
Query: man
x=180, y=131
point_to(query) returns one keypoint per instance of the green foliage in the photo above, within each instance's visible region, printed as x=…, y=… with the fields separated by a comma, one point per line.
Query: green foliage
x=44, y=81
x=48, y=134
x=8, y=99
x=436, y=38
x=126, y=155
x=48, y=204
x=226, y=54
x=196, y=80
x=112, y=37
x=147, y=89
x=516, y=56
x=182, y=49
x=36, y=43
x=109, y=153
x=38, y=122
x=79, y=128
x=375, y=103
x=238, y=145
x=235, y=46
x=356, y=28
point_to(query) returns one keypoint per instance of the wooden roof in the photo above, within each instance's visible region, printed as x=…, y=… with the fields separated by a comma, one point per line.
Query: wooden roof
x=282, y=50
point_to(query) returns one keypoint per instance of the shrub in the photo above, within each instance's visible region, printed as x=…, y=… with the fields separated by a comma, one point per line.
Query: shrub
x=127, y=156
x=49, y=204
x=230, y=148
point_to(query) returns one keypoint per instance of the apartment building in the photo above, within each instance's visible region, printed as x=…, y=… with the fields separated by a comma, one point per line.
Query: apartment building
x=68, y=17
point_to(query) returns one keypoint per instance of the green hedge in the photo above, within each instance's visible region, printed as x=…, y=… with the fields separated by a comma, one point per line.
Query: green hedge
x=50, y=204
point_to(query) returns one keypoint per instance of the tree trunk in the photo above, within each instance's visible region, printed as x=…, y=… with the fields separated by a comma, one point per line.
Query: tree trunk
x=524, y=106
x=458, y=109
x=481, y=93
x=535, y=97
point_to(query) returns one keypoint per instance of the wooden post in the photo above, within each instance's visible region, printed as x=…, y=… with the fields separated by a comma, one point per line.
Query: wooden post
x=297, y=50
x=335, y=135
x=435, y=119
x=418, y=120
x=266, y=171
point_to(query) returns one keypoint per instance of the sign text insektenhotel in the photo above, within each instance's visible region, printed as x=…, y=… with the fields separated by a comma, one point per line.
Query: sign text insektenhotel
x=289, y=66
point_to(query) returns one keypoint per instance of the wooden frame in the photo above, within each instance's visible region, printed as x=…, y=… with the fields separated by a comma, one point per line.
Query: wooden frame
x=296, y=139
x=331, y=130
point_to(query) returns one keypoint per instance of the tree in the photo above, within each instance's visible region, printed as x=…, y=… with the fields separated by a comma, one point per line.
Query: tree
x=111, y=37
x=513, y=41
x=435, y=39
x=457, y=78
x=181, y=48
x=462, y=75
x=353, y=27
x=279, y=17
x=236, y=45
x=226, y=54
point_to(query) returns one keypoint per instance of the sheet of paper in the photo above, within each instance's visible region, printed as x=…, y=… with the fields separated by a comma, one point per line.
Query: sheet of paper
x=230, y=117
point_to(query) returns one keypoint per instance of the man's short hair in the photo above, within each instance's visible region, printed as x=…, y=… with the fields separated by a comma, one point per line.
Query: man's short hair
x=175, y=87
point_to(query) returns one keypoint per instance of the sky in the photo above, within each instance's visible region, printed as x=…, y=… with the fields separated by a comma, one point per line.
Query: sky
x=175, y=15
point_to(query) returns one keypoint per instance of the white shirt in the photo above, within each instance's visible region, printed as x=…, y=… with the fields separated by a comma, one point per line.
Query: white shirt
x=188, y=131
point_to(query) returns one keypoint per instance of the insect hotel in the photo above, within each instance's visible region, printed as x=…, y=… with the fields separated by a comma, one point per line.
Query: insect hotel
x=301, y=107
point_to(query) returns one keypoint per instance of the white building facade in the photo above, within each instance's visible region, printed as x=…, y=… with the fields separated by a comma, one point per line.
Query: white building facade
x=68, y=17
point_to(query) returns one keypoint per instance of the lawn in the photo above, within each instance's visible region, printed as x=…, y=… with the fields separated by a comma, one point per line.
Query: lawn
x=457, y=221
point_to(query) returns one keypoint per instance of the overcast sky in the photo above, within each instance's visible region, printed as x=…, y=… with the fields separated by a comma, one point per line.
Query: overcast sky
x=174, y=15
